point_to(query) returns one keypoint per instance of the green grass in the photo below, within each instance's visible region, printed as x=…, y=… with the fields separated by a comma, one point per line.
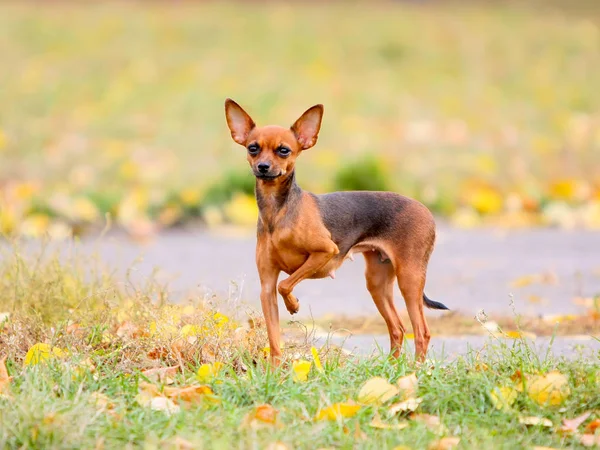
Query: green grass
x=49, y=405
x=117, y=100
x=51, y=409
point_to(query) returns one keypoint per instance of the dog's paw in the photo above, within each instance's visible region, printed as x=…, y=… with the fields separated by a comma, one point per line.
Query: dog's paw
x=292, y=304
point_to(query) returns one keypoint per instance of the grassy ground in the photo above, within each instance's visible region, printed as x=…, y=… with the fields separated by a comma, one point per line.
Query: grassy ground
x=118, y=107
x=78, y=345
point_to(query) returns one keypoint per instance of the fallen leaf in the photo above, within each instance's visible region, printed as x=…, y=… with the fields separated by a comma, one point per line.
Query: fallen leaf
x=590, y=440
x=532, y=420
x=165, y=405
x=193, y=394
x=207, y=372
x=317, y=360
x=376, y=391
x=261, y=416
x=129, y=330
x=277, y=446
x=183, y=444
x=516, y=334
x=359, y=435
x=337, y=411
x=503, y=397
x=402, y=447
x=571, y=425
x=592, y=426
x=41, y=352
x=432, y=422
x=378, y=423
x=163, y=375
x=301, y=369
x=550, y=389
x=409, y=405
x=101, y=401
x=185, y=396
x=408, y=385
x=446, y=443
x=537, y=447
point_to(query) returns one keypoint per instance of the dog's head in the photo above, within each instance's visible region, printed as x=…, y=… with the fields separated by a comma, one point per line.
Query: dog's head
x=272, y=150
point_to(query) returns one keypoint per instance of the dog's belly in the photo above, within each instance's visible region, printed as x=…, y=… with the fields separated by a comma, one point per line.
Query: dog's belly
x=328, y=270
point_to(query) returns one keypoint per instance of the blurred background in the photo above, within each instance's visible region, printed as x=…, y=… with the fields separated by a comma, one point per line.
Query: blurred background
x=486, y=111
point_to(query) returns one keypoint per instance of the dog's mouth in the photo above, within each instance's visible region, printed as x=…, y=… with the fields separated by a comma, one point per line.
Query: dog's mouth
x=266, y=176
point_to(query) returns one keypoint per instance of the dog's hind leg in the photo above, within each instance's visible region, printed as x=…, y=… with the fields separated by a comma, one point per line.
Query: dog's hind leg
x=380, y=278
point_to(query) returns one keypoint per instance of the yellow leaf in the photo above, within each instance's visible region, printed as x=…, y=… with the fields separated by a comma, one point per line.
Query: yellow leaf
x=317, y=360
x=408, y=385
x=409, y=405
x=376, y=390
x=550, y=389
x=515, y=334
x=193, y=394
x=446, y=443
x=301, y=369
x=409, y=335
x=337, y=411
x=378, y=423
x=220, y=319
x=41, y=352
x=206, y=372
x=261, y=416
x=186, y=396
x=532, y=420
x=191, y=330
x=503, y=397
x=537, y=447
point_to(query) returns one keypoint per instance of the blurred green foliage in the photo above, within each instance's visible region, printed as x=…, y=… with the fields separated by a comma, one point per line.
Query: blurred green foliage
x=482, y=108
x=364, y=174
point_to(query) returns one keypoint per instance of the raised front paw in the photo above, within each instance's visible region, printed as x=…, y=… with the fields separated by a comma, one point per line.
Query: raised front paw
x=291, y=303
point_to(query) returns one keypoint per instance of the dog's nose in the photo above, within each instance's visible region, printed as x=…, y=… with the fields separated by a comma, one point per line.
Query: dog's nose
x=263, y=167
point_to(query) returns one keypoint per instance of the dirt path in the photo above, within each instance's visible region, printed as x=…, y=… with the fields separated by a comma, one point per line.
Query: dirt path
x=469, y=270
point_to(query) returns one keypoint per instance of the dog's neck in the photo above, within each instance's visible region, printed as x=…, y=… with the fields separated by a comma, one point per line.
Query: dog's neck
x=274, y=196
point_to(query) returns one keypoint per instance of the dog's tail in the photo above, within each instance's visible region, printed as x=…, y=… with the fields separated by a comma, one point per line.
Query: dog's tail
x=433, y=304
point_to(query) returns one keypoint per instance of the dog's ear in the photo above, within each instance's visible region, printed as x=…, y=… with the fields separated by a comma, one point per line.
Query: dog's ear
x=306, y=128
x=239, y=122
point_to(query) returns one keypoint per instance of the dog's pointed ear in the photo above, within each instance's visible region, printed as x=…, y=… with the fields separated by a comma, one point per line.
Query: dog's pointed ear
x=239, y=122
x=306, y=128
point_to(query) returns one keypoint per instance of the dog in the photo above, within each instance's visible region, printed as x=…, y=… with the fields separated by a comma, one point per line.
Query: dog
x=309, y=236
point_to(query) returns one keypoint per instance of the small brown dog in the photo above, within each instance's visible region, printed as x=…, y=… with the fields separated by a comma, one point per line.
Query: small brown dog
x=310, y=236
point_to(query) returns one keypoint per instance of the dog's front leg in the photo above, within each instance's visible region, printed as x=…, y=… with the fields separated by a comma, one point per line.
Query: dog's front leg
x=314, y=262
x=268, y=300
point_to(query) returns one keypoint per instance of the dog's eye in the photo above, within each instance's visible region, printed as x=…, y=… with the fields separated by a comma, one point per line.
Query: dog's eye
x=284, y=151
x=253, y=149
